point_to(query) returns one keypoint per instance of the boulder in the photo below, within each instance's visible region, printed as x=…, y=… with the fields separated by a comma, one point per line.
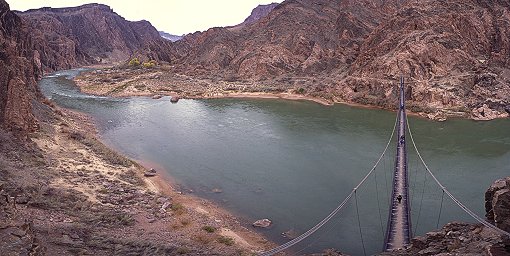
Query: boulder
x=263, y=223
x=174, y=99
x=501, y=209
x=150, y=173
x=497, y=203
x=486, y=113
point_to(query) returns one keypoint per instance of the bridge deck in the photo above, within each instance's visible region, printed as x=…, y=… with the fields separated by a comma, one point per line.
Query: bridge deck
x=398, y=233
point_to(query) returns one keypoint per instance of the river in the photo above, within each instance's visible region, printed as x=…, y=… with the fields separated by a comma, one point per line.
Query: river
x=295, y=161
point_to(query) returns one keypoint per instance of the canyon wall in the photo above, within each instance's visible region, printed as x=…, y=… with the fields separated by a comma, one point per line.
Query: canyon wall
x=20, y=67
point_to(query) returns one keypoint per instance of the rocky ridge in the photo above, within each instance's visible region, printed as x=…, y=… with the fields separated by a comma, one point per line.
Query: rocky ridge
x=91, y=34
x=258, y=13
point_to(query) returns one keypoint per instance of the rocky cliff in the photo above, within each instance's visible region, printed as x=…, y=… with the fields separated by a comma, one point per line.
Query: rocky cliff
x=258, y=13
x=19, y=69
x=90, y=34
x=297, y=38
x=453, y=53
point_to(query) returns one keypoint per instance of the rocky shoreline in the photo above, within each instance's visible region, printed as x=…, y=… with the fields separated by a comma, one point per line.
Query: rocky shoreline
x=64, y=192
x=164, y=80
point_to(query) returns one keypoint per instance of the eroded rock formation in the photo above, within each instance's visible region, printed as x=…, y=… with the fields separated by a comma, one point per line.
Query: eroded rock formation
x=19, y=69
x=90, y=34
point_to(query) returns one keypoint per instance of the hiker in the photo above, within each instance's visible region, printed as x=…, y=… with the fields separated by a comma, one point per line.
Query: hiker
x=399, y=198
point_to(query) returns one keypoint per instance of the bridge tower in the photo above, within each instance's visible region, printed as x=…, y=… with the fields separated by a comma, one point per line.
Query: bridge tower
x=398, y=232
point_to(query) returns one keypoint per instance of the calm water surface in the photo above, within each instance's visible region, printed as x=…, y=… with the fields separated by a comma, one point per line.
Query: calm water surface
x=294, y=161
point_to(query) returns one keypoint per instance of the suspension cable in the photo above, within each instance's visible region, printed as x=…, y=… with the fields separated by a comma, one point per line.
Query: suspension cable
x=421, y=203
x=378, y=203
x=440, y=210
x=308, y=233
x=458, y=202
x=359, y=224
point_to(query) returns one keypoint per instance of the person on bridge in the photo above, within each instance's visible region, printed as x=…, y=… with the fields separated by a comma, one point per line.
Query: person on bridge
x=399, y=198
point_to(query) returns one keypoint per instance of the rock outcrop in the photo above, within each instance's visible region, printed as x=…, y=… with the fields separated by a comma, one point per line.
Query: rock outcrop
x=90, y=34
x=497, y=203
x=457, y=239
x=19, y=69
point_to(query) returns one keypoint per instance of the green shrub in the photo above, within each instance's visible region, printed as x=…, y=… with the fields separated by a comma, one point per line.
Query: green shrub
x=226, y=240
x=209, y=229
x=150, y=64
x=134, y=62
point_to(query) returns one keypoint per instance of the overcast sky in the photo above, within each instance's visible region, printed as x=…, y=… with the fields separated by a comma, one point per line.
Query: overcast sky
x=173, y=16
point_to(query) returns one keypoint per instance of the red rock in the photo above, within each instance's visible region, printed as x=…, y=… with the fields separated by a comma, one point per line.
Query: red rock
x=19, y=69
x=90, y=34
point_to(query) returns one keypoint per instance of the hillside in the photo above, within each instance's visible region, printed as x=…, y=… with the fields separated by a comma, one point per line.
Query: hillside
x=91, y=34
x=453, y=53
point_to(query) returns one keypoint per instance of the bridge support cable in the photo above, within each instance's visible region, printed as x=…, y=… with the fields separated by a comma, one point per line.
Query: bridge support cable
x=378, y=203
x=455, y=200
x=385, y=170
x=359, y=224
x=421, y=203
x=336, y=210
x=440, y=210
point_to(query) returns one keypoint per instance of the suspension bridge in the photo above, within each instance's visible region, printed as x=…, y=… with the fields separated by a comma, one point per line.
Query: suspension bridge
x=399, y=231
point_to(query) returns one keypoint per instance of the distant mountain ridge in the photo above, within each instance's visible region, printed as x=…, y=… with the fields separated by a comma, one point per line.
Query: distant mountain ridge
x=90, y=34
x=167, y=36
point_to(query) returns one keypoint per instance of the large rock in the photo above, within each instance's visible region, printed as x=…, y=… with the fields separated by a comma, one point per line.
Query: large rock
x=263, y=223
x=497, y=203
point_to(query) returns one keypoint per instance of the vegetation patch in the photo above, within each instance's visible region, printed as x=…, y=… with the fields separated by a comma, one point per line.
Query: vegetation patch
x=229, y=241
x=209, y=229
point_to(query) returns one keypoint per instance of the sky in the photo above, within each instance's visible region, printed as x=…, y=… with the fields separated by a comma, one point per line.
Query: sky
x=173, y=16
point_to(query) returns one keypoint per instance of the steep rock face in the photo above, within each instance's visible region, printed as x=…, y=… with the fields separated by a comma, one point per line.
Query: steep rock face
x=497, y=203
x=455, y=53
x=297, y=38
x=258, y=13
x=19, y=69
x=89, y=34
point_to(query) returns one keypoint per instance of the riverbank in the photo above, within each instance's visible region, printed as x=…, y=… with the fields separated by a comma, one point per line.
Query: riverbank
x=167, y=81
x=63, y=184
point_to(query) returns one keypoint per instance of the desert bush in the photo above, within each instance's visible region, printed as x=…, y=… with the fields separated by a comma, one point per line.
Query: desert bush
x=203, y=238
x=209, y=229
x=134, y=62
x=226, y=240
x=150, y=64
x=178, y=208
